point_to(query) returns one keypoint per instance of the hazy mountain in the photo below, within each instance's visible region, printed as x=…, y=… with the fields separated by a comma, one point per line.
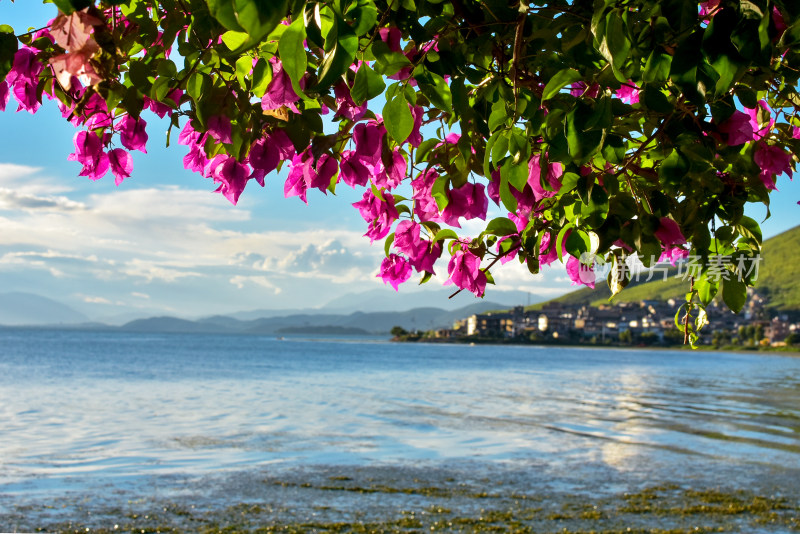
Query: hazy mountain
x=370, y=322
x=386, y=299
x=33, y=310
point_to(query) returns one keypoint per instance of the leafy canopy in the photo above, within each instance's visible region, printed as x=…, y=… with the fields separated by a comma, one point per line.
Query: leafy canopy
x=604, y=128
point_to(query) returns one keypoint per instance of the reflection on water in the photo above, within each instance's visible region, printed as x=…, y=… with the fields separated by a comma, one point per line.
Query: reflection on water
x=77, y=408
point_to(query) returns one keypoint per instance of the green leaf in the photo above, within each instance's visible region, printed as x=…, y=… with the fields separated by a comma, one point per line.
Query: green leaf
x=234, y=40
x=223, y=11
x=596, y=211
x=578, y=243
x=656, y=70
x=559, y=81
x=365, y=15
x=443, y=234
x=262, y=75
x=259, y=17
x=8, y=47
x=501, y=226
x=291, y=50
x=516, y=174
x=367, y=85
x=582, y=141
x=616, y=46
x=618, y=277
x=438, y=92
x=734, y=293
x=506, y=197
x=397, y=118
x=749, y=227
x=387, y=62
x=198, y=85
x=337, y=61
x=388, y=243
x=706, y=289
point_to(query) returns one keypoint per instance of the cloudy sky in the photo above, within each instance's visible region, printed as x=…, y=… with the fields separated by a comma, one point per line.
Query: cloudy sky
x=163, y=242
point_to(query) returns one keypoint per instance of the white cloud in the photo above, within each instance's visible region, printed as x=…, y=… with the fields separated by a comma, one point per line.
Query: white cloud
x=13, y=200
x=140, y=295
x=261, y=281
x=151, y=271
x=25, y=179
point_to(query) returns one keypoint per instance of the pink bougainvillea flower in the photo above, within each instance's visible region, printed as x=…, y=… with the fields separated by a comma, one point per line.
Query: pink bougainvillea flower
x=4, y=95
x=738, y=129
x=392, y=37
x=121, y=164
x=579, y=273
x=76, y=64
x=345, y=107
x=324, y=172
x=553, y=177
x=73, y=32
x=352, y=171
x=628, y=93
x=264, y=157
x=547, y=250
x=305, y=175
x=368, y=138
x=673, y=254
x=773, y=161
x=425, y=207
x=669, y=233
x=164, y=108
x=581, y=89
x=232, y=177
x=188, y=135
x=380, y=213
x=395, y=270
x=27, y=97
x=280, y=92
x=281, y=141
x=89, y=153
x=88, y=147
x=26, y=67
x=133, y=133
x=394, y=175
x=219, y=127
x=415, y=137
x=708, y=7
x=468, y=201
x=465, y=272
x=427, y=258
x=407, y=238
x=295, y=185
x=753, y=115
x=196, y=159
x=780, y=23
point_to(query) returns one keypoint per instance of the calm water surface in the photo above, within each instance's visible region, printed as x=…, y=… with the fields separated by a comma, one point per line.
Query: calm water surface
x=134, y=412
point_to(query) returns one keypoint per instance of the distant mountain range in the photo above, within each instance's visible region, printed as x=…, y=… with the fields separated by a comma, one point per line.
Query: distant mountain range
x=25, y=309
x=367, y=322
x=29, y=309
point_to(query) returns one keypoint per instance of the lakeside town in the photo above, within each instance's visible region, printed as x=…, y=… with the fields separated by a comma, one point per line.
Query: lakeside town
x=642, y=323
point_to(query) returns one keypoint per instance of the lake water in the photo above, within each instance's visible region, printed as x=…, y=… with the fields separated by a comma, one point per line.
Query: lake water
x=98, y=428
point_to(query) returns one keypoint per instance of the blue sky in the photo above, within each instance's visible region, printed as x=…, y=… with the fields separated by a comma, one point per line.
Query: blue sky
x=162, y=242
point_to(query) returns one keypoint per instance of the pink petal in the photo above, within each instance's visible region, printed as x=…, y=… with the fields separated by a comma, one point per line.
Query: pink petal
x=121, y=164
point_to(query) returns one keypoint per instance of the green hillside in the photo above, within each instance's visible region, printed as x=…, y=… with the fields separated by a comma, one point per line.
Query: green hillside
x=777, y=279
x=780, y=270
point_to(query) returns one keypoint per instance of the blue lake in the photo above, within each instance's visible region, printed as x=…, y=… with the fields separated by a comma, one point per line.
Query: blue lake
x=85, y=413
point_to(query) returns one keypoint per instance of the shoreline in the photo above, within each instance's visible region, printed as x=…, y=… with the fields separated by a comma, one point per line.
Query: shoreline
x=779, y=351
x=397, y=499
